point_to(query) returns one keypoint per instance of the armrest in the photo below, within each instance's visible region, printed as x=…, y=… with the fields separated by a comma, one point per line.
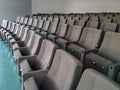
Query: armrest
x=84, y=52
x=20, y=48
x=113, y=70
x=26, y=57
x=39, y=74
x=17, y=42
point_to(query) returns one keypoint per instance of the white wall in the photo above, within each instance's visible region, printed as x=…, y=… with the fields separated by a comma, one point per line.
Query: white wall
x=10, y=9
x=77, y=6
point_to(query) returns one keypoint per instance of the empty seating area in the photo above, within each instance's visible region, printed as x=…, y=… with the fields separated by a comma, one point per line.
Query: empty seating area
x=65, y=51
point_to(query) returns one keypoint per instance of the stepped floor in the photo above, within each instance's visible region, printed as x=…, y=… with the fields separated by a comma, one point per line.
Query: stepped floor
x=9, y=78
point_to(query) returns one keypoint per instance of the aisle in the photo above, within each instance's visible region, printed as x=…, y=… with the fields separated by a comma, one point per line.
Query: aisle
x=9, y=78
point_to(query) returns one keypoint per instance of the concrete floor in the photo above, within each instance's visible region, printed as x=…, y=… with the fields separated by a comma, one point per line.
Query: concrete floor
x=9, y=78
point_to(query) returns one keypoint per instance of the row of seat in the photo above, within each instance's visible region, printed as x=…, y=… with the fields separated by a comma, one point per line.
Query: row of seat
x=45, y=67
x=90, y=40
x=94, y=23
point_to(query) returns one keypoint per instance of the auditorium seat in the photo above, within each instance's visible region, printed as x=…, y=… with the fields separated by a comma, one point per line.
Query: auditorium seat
x=21, y=20
x=107, y=59
x=73, y=35
x=34, y=24
x=63, y=74
x=92, y=24
x=45, y=18
x=52, y=29
x=41, y=61
x=61, y=31
x=29, y=23
x=45, y=27
x=50, y=18
x=5, y=33
x=63, y=20
x=32, y=47
x=81, y=23
x=70, y=21
x=109, y=27
x=21, y=39
x=56, y=19
x=25, y=21
x=93, y=80
x=88, y=42
x=17, y=19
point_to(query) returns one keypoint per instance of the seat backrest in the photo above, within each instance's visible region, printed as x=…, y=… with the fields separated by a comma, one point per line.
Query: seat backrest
x=44, y=18
x=84, y=18
x=90, y=38
x=105, y=20
x=110, y=46
x=39, y=17
x=25, y=20
x=21, y=20
x=70, y=21
x=56, y=19
x=64, y=73
x=63, y=20
x=9, y=25
x=46, y=25
x=45, y=56
x=35, y=21
x=4, y=23
x=93, y=80
x=21, y=31
x=40, y=24
x=108, y=27
x=24, y=33
x=18, y=19
x=61, y=30
x=50, y=18
x=73, y=33
x=80, y=23
x=16, y=28
x=28, y=39
x=35, y=44
x=53, y=27
x=30, y=20
x=12, y=27
x=92, y=24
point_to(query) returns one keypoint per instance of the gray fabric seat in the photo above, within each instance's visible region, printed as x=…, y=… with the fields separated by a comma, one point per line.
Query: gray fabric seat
x=45, y=28
x=23, y=38
x=42, y=61
x=72, y=35
x=88, y=42
x=64, y=74
x=107, y=59
x=93, y=80
x=109, y=27
x=70, y=21
x=81, y=23
x=52, y=29
x=61, y=31
x=92, y=24
x=32, y=48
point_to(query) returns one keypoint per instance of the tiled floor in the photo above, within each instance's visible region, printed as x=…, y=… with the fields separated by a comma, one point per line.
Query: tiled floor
x=9, y=78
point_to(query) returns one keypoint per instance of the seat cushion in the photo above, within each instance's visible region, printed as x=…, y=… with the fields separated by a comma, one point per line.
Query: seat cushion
x=75, y=50
x=25, y=67
x=30, y=84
